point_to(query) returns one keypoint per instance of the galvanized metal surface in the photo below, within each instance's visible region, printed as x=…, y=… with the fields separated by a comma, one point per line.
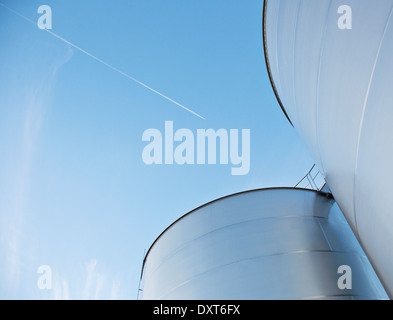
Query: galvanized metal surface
x=336, y=87
x=263, y=244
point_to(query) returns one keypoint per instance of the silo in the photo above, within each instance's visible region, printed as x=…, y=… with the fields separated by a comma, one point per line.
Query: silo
x=330, y=64
x=278, y=243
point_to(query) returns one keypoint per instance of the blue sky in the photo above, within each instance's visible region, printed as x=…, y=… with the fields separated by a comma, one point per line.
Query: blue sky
x=74, y=192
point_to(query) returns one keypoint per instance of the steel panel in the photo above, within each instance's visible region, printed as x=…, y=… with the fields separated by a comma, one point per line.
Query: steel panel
x=335, y=86
x=263, y=244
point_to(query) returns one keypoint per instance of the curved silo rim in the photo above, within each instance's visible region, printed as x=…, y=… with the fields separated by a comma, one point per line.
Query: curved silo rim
x=219, y=199
x=265, y=50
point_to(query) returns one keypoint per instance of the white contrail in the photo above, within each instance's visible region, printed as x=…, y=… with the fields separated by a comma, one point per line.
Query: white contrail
x=104, y=63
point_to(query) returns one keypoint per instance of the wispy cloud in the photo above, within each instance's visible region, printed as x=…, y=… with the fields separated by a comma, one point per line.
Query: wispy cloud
x=33, y=96
x=94, y=281
x=60, y=289
x=94, y=284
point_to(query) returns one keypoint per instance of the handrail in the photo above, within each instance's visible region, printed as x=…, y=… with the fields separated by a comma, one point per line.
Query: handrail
x=301, y=180
x=311, y=178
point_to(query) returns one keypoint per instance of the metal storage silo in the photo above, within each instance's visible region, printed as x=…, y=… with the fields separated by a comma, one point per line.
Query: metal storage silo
x=280, y=243
x=335, y=86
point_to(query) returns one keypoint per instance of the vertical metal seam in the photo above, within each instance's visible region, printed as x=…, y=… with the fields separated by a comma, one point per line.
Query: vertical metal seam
x=318, y=89
x=293, y=64
x=362, y=118
x=324, y=234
